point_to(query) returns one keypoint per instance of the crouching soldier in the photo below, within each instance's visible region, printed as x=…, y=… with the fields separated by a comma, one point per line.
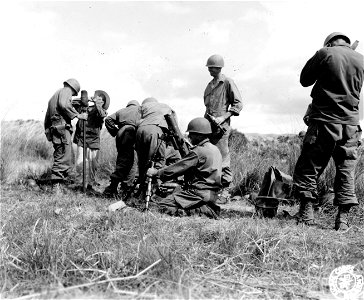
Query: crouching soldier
x=203, y=165
x=58, y=129
x=97, y=111
x=122, y=125
x=150, y=144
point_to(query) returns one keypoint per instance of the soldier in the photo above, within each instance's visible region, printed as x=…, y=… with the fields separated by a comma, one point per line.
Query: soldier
x=123, y=125
x=203, y=165
x=222, y=100
x=336, y=71
x=97, y=111
x=150, y=144
x=58, y=128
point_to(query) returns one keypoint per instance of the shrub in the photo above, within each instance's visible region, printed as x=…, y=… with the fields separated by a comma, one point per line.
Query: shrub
x=25, y=150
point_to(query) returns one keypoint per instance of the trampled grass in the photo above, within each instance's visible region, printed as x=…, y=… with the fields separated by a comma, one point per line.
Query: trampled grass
x=60, y=243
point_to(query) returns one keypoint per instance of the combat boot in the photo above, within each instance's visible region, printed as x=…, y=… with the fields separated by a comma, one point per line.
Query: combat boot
x=341, y=222
x=112, y=189
x=305, y=214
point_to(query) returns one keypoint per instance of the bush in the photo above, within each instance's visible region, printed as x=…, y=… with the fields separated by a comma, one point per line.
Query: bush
x=25, y=151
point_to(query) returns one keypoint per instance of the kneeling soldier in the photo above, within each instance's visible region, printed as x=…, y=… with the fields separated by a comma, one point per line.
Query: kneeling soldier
x=203, y=167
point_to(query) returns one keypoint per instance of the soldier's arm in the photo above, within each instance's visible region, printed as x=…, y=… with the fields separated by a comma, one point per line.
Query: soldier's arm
x=47, y=122
x=101, y=112
x=310, y=71
x=65, y=104
x=111, y=125
x=179, y=168
x=236, y=103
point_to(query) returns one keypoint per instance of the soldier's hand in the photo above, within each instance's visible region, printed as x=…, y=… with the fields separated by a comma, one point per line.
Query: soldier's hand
x=82, y=116
x=98, y=101
x=219, y=120
x=151, y=172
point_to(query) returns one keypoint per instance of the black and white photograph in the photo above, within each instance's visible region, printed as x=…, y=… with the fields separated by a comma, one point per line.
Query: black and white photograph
x=182, y=150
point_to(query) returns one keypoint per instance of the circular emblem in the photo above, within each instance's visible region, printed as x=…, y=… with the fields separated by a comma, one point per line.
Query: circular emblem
x=345, y=284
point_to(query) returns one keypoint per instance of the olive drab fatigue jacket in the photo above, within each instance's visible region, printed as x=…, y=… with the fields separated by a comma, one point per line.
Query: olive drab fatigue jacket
x=129, y=115
x=337, y=74
x=222, y=97
x=203, y=164
x=59, y=114
x=152, y=113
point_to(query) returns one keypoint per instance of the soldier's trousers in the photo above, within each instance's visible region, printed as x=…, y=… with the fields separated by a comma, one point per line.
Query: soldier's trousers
x=62, y=155
x=189, y=202
x=126, y=161
x=323, y=141
x=222, y=142
x=150, y=146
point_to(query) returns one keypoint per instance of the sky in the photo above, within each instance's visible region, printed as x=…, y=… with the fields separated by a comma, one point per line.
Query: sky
x=134, y=50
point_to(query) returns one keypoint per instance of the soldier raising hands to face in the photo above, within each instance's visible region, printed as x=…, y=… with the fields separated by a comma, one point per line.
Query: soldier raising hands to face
x=336, y=72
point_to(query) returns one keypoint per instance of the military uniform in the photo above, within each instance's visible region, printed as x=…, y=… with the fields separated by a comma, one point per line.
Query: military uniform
x=149, y=138
x=122, y=126
x=333, y=130
x=220, y=97
x=58, y=129
x=203, y=164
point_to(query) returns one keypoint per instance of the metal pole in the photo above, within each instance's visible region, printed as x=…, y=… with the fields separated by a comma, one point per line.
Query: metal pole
x=149, y=190
x=84, y=156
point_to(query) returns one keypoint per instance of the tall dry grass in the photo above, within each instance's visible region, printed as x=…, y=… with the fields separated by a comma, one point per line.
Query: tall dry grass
x=359, y=174
x=64, y=244
x=25, y=151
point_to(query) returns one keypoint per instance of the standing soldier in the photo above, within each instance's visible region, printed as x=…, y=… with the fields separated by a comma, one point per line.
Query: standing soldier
x=150, y=144
x=123, y=125
x=58, y=128
x=203, y=165
x=96, y=111
x=336, y=71
x=222, y=100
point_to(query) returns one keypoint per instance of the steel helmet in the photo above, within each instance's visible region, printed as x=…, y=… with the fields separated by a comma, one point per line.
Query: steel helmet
x=105, y=96
x=335, y=35
x=73, y=84
x=215, y=60
x=149, y=100
x=133, y=102
x=199, y=125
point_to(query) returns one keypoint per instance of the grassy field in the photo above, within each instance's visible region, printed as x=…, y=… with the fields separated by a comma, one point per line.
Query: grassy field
x=60, y=243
